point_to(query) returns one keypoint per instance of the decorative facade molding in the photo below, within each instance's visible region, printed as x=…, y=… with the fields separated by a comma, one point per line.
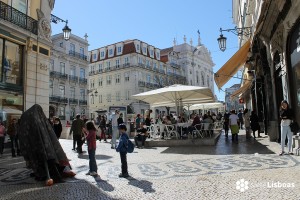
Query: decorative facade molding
x=44, y=26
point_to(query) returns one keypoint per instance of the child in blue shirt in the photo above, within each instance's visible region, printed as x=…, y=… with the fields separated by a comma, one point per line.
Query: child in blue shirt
x=122, y=148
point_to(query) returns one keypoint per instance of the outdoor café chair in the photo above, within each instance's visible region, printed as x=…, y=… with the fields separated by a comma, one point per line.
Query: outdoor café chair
x=198, y=131
x=171, y=131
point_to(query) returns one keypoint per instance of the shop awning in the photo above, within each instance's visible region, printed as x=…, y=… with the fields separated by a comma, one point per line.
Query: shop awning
x=241, y=90
x=231, y=67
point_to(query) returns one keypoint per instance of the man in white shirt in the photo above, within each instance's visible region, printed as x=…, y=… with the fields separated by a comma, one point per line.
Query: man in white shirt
x=114, y=124
x=233, y=123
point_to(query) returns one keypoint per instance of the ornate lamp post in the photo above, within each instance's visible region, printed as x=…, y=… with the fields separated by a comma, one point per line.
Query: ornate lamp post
x=66, y=30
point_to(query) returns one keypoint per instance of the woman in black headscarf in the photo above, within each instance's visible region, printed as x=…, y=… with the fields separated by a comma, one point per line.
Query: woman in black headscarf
x=40, y=147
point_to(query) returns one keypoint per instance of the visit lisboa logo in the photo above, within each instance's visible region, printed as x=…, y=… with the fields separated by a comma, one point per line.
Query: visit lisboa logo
x=242, y=185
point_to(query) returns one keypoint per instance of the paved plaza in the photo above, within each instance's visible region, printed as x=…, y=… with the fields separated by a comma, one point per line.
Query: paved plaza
x=250, y=169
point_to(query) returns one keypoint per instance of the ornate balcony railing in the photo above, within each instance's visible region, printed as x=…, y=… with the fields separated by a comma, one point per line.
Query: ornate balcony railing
x=18, y=18
x=73, y=101
x=55, y=74
x=73, y=78
x=82, y=102
x=82, y=80
x=77, y=55
x=58, y=99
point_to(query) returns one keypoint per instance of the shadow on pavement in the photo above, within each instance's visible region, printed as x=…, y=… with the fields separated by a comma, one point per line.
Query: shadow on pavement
x=103, y=184
x=146, y=186
x=225, y=147
x=98, y=157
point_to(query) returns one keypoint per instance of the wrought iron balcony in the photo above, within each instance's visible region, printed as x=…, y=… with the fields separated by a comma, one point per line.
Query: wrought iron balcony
x=55, y=74
x=73, y=101
x=82, y=81
x=73, y=78
x=18, y=18
x=77, y=55
x=82, y=102
x=141, y=83
x=62, y=117
x=58, y=99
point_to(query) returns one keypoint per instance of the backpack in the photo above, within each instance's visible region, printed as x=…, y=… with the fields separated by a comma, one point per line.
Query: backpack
x=130, y=146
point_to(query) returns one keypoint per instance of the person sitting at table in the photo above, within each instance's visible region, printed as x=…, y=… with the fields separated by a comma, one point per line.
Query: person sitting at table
x=141, y=136
x=166, y=121
x=173, y=120
x=181, y=118
x=207, y=120
x=196, y=121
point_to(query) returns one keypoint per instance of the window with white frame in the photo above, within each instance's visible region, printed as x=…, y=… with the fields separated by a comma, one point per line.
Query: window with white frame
x=148, y=78
x=147, y=63
x=72, y=48
x=126, y=60
x=100, y=98
x=100, y=67
x=157, y=55
x=62, y=68
x=107, y=65
x=61, y=111
x=92, y=99
x=82, y=73
x=82, y=94
x=62, y=90
x=108, y=97
x=126, y=75
x=151, y=52
x=154, y=65
x=144, y=50
x=118, y=96
x=72, y=92
x=127, y=95
x=119, y=49
x=110, y=52
x=92, y=83
x=102, y=54
x=73, y=71
x=51, y=65
x=81, y=51
x=108, y=80
x=94, y=56
x=140, y=61
x=138, y=47
x=100, y=82
x=117, y=63
x=118, y=78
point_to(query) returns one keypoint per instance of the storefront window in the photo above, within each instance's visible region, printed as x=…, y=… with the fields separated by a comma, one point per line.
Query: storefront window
x=11, y=62
x=294, y=50
x=11, y=106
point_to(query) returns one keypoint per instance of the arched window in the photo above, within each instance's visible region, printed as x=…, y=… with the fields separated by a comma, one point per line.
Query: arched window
x=208, y=81
x=202, y=78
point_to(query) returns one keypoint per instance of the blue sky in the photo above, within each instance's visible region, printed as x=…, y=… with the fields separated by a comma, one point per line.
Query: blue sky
x=156, y=22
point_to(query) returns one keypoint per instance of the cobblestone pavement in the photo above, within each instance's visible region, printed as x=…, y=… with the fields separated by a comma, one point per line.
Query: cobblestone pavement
x=250, y=169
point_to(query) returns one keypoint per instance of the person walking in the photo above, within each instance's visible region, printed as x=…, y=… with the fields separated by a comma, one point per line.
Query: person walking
x=226, y=124
x=286, y=116
x=241, y=120
x=102, y=127
x=121, y=148
x=57, y=126
x=76, y=129
x=114, y=124
x=2, y=137
x=12, y=131
x=254, y=123
x=90, y=133
x=246, y=117
x=234, y=127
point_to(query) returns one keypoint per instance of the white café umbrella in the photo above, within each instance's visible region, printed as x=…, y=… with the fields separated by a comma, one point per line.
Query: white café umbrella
x=176, y=95
x=206, y=106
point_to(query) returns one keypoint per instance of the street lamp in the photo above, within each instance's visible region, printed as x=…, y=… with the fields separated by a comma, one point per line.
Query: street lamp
x=66, y=30
x=246, y=31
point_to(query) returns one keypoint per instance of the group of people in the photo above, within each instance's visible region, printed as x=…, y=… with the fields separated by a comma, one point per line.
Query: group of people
x=236, y=121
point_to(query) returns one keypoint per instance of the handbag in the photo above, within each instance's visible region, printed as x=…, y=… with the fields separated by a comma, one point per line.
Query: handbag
x=294, y=127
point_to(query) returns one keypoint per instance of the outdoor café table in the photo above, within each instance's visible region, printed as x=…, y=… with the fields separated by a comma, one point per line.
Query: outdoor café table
x=183, y=125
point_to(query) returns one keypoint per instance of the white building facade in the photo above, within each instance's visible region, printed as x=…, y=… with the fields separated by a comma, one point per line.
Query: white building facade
x=195, y=61
x=68, y=77
x=232, y=104
x=120, y=70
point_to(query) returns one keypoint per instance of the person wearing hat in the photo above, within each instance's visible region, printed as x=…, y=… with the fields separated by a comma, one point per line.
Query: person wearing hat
x=286, y=116
x=123, y=150
x=114, y=124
